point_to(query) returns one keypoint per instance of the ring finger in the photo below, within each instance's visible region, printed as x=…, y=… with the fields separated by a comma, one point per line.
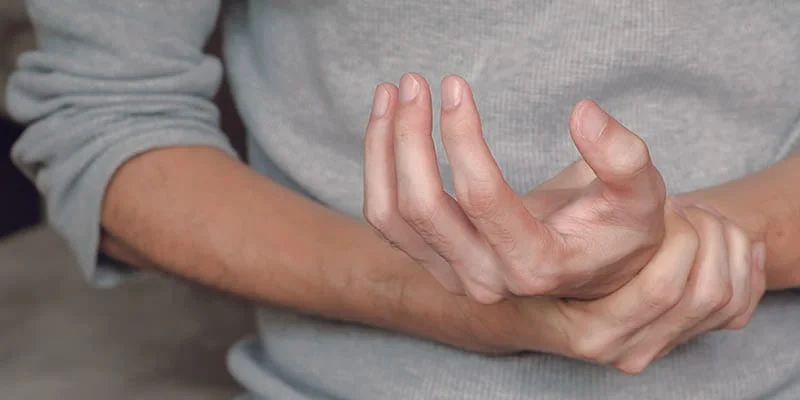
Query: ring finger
x=380, y=191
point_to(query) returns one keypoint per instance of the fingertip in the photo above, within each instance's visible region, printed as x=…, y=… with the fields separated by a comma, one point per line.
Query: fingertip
x=416, y=75
x=452, y=92
x=579, y=107
x=417, y=78
x=616, y=155
x=382, y=99
x=389, y=87
x=588, y=120
x=410, y=85
x=455, y=78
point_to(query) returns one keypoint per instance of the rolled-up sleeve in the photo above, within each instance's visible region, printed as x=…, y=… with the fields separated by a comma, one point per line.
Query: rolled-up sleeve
x=109, y=79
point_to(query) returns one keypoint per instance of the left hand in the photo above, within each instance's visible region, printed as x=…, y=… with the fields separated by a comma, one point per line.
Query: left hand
x=583, y=234
x=706, y=276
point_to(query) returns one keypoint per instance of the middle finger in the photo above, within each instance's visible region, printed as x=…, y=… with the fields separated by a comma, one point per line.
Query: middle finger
x=425, y=205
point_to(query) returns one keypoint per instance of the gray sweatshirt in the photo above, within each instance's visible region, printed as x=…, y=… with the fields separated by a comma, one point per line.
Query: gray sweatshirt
x=712, y=85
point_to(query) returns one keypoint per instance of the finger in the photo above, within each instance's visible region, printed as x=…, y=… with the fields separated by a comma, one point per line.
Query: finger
x=740, y=262
x=615, y=319
x=664, y=352
x=380, y=191
x=491, y=205
x=659, y=286
x=424, y=204
x=758, y=286
x=619, y=158
x=707, y=292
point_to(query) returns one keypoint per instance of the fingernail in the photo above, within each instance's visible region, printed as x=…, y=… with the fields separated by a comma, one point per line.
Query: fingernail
x=593, y=121
x=380, y=103
x=759, y=255
x=409, y=88
x=711, y=210
x=451, y=93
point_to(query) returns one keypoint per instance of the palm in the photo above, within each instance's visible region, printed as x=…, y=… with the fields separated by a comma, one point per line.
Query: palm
x=561, y=203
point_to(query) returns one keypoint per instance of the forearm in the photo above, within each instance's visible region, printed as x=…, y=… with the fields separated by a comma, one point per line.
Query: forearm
x=199, y=214
x=767, y=204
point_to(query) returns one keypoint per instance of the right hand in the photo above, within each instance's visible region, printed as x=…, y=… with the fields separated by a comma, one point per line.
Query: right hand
x=489, y=242
x=706, y=276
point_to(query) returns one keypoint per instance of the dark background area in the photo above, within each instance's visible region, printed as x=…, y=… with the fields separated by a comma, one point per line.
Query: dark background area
x=19, y=201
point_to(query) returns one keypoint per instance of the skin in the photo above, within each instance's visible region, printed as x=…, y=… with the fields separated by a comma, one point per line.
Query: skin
x=607, y=224
x=660, y=274
x=197, y=213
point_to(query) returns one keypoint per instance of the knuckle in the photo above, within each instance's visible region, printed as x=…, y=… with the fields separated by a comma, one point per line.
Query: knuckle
x=662, y=292
x=419, y=210
x=663, y=298
x=739, y=322
x=686, y=237
x=727, y=297
x=741, y=318
x=632, y=365
x=508, y=241
x=480, y=199
x=592, y=346
x=742, y=307
x=713, y=297
x=378, y=215
x=482, y=294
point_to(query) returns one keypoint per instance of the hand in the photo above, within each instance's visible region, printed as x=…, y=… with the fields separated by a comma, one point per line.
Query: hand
x=582, y=235
x=706, y=276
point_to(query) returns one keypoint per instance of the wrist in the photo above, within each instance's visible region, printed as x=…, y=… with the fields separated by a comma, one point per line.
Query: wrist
x=517, y=325
x=766, y=206
x=423, y=308
x=493, y=329
x=723, y=199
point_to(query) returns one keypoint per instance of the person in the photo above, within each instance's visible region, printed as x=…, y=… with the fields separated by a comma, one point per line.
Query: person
x=443, y=254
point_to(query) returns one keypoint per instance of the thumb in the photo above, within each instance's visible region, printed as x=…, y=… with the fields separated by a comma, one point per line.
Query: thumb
x=618, y=157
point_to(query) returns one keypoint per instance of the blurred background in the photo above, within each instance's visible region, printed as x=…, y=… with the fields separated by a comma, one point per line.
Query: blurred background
x=152, y=338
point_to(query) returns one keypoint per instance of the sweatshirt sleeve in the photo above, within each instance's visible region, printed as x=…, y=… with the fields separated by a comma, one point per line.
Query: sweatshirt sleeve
x=109, y=79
